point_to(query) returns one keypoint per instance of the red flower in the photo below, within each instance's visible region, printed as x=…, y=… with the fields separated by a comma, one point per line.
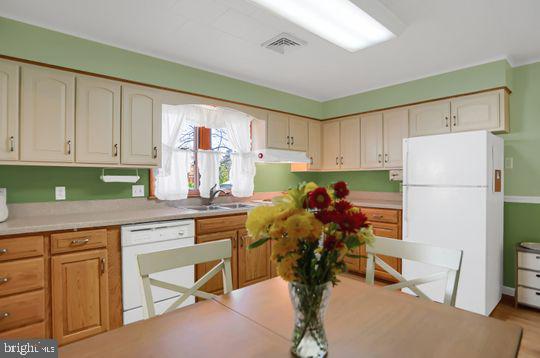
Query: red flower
x=325, y=216
x=319, y=198
x=342, y=206
x=350, y=223
x=330, y=243
x=340, y=189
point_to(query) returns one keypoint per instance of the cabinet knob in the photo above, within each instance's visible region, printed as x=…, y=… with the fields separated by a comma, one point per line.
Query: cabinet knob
x=4, y=315
x=11, y=144
x=4, y=280
x=3, y=251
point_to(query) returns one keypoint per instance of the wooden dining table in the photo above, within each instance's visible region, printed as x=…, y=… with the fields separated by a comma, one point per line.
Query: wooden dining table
x=257, y=321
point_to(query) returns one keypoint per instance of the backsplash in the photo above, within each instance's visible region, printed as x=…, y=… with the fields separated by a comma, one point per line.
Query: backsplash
x=36, y=184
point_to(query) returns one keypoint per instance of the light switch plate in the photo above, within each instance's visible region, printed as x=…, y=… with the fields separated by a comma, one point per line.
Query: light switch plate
x=60, y=193
x=137, y=190
x=509, y=163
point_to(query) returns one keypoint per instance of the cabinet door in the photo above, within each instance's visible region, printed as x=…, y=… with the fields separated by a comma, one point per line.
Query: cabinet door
x=80, y=295
x=298, y=132
x=215, y=284
x=390, y=231
x=396, y=128
x=253, y=265
x=98, y=121
x=315, y=144
x=141, y=126
x=350, y=143
x=475, y=112
x=330, y=145
x=372, y=140
x=9, y=111
x=277, y=131
x=47, y=115
x=429, y=118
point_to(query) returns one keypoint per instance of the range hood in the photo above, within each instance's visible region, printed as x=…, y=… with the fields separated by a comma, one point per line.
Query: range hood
x=268, y=155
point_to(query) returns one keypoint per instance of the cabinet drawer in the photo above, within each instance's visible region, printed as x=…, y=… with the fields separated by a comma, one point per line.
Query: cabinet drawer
x=21, y=310
x=529, y=296
x=220, y=224
x=20, y=247
x=529, y=260
x=529, y=278
x=36, y=330
x=381, y=215
x=78, y=240
x=21, y=276
x=386, y=230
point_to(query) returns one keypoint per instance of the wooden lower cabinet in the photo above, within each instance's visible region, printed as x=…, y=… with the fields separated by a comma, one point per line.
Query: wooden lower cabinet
x=80, y=295
x=248, y=266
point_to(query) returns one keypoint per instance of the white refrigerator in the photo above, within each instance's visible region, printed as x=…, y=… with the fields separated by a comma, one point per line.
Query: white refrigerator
x=453, y=197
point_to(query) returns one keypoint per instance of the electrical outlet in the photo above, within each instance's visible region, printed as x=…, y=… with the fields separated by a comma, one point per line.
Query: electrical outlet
x=137, y=190
x=509, y=163
x=60, y=193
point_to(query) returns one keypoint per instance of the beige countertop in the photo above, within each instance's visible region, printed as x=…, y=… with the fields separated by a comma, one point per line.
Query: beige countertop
x=55, y=216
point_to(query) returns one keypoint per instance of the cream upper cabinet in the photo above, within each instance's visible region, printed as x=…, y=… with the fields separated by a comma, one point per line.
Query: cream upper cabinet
x=315, y=144
x=9, y=110
x=429, y=118
x=331, y=145
x=97, y=120
x=350, y=143
x=475, y=112
x=395, y=129
x=298, y=133
x=47, y=115
x=277, y=131
x=141, y=126
x=372, y=140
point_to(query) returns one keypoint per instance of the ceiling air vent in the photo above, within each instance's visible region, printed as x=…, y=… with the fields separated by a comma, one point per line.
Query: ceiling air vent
x=284, y=43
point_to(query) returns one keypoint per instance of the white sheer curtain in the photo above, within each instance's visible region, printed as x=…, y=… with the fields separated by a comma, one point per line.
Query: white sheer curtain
x=208, y=164
x=171, y=179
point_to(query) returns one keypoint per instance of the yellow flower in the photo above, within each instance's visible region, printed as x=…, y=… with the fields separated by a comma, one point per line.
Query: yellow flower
x=259, y=219
x=276, y=230
x=310, y=187
x=283, y=246
x=298, y=226
x=286, y=267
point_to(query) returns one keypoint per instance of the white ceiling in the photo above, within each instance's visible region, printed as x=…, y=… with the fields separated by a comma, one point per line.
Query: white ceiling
x=224, y=36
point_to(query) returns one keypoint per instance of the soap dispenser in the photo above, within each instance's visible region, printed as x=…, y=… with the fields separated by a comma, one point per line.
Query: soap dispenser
x=3, y=205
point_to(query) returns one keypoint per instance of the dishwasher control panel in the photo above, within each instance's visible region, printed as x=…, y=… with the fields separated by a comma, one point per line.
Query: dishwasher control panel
x=157, y=231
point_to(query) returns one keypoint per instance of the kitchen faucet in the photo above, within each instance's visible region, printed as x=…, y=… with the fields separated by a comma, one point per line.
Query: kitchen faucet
x=213, y=193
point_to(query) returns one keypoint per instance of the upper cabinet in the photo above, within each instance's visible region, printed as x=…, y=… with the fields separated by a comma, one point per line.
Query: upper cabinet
x=286, y=132
x=331, y=148
x=315, y=144
x=9, y=110
x=395, y=129
x=47, y=115
x=350, y=137
x=141, y=126
x=372, y=140
x=97, y=121
x=430, y=118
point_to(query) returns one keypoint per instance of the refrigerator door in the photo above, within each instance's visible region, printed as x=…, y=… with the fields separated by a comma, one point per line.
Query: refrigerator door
x=457, y=159
x=452, y=217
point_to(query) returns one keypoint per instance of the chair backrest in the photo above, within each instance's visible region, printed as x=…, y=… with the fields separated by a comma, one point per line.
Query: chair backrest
x=155, y=262
x=449, y=260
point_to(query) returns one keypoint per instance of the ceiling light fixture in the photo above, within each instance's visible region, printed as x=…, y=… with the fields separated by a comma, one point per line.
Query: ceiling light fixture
x=338, y=21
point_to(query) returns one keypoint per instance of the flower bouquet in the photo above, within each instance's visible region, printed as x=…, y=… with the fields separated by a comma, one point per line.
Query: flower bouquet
x=312, y=230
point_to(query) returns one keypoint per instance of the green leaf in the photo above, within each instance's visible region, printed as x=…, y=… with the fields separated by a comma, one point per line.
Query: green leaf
x=258, y=243
x=351, y=242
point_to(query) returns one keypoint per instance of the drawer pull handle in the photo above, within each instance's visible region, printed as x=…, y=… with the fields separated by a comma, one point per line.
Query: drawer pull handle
x=538, y=293
x=378, y=217
x=115, y=154
x=538, y=275
x=79, y=241
x=155, y=153
x=4, y=315
x=102, y=265
x=4, y=280
x=11, y=144
x=3, y=251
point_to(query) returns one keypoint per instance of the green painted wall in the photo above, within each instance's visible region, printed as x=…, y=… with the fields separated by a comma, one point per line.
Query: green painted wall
x=29, y=42
x=486, y=76
x=364, y=181
x=33, y=184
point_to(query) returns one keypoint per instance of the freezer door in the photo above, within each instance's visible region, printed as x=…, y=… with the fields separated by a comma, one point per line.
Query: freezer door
x=458, y=159
x=453, y=218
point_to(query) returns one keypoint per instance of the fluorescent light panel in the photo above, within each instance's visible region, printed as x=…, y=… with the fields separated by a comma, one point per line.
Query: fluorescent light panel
x=338, y=21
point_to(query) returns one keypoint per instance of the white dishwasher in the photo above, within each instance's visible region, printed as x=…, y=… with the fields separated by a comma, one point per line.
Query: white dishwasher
x=151, y=237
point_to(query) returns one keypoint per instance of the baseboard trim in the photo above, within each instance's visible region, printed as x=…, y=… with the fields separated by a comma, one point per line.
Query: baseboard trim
x=522, y=199
x=509, y=291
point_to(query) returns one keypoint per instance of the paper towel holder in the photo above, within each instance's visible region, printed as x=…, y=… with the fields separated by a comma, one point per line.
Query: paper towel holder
x=119, y=178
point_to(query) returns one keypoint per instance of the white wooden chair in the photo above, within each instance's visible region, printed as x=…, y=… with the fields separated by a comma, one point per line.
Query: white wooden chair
x=185, y=256
x=448, y=259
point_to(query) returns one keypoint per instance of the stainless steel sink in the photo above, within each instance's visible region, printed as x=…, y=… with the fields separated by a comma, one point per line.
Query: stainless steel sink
x=207, y=208
x=235, y=206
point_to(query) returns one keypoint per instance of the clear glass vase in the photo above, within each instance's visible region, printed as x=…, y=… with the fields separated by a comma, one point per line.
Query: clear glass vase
x=309, y=305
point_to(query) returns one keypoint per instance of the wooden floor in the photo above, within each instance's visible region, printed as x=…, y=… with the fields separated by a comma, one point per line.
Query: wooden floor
x=526, y=318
